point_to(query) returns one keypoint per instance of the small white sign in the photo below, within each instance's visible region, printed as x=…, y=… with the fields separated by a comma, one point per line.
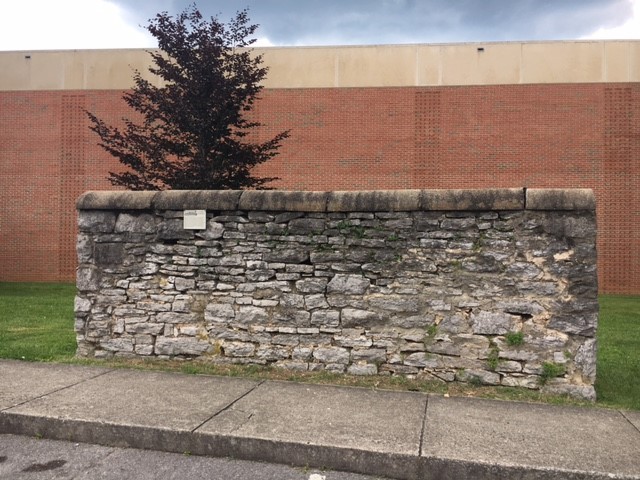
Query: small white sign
x=195, y=219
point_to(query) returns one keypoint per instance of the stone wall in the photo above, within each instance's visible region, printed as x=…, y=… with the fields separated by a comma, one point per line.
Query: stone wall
x=497, y=287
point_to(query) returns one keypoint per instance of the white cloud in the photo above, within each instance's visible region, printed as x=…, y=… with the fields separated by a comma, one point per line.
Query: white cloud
x=68, y=24
x=629, y=30
x=263, y=42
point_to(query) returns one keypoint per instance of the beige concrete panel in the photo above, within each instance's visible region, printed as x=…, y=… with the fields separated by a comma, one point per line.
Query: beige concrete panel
x=563, y=62
x=15, y=71
x=634, y=62
x=428, y=66
x=114, y=69
x=299, y=67
x=46, y=71
x=377, y=66
x=481, y=64
x=616, y=61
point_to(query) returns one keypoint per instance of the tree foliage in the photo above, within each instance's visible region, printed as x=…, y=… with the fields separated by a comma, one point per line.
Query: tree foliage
x=194, y=128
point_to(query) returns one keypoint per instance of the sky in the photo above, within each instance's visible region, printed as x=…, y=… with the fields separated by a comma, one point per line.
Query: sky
x=88, y=24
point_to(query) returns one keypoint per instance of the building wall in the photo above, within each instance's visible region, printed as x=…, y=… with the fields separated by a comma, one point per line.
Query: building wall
x=537, y=135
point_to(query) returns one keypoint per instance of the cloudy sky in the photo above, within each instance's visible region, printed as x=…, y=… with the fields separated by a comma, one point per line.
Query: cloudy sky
x=81, y=24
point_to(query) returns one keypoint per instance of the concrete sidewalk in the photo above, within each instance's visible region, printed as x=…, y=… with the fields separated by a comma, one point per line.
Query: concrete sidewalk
x=394, y=434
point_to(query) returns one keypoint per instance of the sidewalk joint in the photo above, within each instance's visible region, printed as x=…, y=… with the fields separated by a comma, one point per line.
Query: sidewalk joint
x=66, y=387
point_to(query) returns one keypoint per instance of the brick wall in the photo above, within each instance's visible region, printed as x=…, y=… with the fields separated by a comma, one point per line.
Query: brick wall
x=537, y=136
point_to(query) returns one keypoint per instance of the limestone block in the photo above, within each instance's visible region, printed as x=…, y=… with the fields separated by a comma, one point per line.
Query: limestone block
x=238, y=349
x=362, y=369
x=96, y=221
x=135, y=223
x=422, y=360
x=250, y=315
x=369, y=355
x=311, y=285
x=348, y=284
x=326, y=318
x=585, y=359
x=491, y=323
x=329, y=355
x=352, y=317
x=173, y=229
x=482, y=376
x=213, y=231
x=181, y=346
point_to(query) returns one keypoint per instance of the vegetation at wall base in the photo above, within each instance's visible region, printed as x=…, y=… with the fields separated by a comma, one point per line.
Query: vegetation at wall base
x=36, y=323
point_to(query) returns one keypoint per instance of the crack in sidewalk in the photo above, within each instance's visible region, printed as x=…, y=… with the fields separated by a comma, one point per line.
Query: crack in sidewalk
x=230, y=405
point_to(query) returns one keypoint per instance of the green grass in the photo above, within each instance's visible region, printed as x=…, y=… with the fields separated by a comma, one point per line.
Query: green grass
x=618, y=374
x=36, y=323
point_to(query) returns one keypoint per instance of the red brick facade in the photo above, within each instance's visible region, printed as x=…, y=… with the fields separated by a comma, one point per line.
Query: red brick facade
x=565, y=135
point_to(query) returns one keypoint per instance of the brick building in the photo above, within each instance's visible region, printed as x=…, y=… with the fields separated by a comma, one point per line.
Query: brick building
x=533, y=114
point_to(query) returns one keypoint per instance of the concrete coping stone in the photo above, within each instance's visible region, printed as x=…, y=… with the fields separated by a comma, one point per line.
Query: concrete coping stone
x=343, y=201
x=560, y=199
x=283, y=201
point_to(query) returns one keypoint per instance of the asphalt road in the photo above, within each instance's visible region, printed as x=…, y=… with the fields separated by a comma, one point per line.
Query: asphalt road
x=25, y=458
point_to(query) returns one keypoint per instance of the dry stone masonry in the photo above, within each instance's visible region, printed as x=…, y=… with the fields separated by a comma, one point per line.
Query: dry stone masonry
x=494, y=287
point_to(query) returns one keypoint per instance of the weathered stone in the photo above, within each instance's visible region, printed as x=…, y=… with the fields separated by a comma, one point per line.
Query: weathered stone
x=585, y=359
x=331, y=355
x=482, y=376
x=138, y=223
x=369, y=355
x=311, y=285
x=251, y=315
x=182, y=284
x=173, y=229
x=144, y=328
x=117, y=344
x=529, y=381
x=315, y=301
x=181, y=346
x=488, y=323
x=238, y=349
x=359, y=341
x=414, y=321
x=351, y=317
x=362, y=369
x=87, y=278
x=286, y=256
x=394, y=303
x=580, y=323
x=174, y=317
x=329, y=318
x=81, y=305
x=422, y=360
x=213, y=231
x=109, y=254
x=582, y=392
x=96, y=221
x=348, y=284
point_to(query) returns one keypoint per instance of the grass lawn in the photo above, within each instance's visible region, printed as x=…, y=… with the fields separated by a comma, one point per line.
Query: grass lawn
x=618, y=373
x=36, y=323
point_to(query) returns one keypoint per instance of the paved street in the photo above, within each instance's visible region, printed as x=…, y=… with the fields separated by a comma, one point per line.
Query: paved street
x=26, y=458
